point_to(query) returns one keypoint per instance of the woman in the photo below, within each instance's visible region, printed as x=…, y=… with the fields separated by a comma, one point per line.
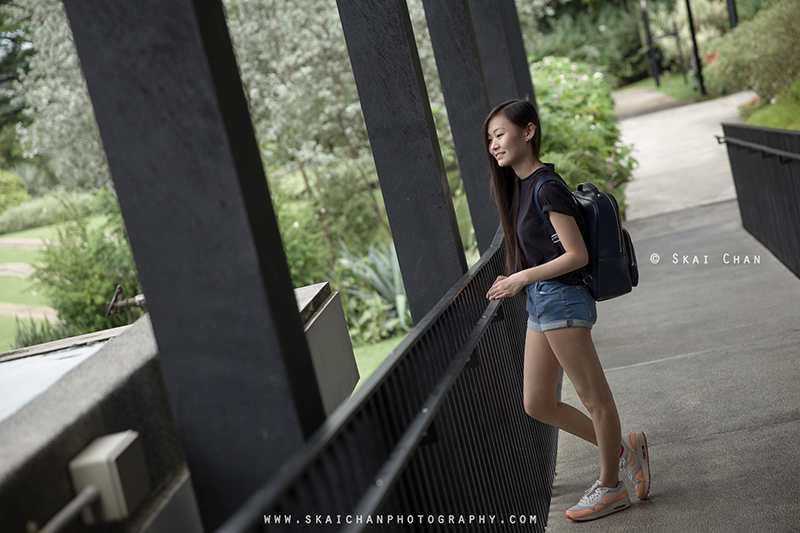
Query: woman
x=561, y=311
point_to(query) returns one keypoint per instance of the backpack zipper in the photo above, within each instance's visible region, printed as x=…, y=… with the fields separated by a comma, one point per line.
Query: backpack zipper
x=616, y=219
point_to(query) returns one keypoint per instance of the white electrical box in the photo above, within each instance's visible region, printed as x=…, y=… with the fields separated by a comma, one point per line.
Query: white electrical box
x=115, y=464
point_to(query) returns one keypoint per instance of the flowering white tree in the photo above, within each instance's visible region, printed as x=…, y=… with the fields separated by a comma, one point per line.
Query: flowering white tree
x=62, y=126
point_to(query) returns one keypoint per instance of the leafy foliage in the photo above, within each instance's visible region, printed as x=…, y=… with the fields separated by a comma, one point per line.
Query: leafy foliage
x=12, y=191
x=14, y=55
x=579, y=131
x=608, y=39
x=59, y=123
x=31, y=333
x=81, y=268
x=762, y=54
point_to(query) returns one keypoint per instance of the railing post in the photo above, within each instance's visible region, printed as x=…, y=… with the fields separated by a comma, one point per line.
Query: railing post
x=405, y=147
x=467, y=102
x=181, y=149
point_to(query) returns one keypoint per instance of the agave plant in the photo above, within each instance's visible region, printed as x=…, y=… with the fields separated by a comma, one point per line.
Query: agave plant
x=379, y=277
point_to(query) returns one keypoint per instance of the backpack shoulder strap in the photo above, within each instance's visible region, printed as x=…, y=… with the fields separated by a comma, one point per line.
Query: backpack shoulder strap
x=553, y=235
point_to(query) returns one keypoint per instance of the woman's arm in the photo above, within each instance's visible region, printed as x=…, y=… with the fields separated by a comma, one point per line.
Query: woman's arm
x=574, y=257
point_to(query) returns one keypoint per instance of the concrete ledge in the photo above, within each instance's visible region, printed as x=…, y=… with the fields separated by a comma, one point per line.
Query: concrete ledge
x=118, y=388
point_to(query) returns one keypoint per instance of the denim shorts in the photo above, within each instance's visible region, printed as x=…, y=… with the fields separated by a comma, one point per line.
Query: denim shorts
x=553, y=305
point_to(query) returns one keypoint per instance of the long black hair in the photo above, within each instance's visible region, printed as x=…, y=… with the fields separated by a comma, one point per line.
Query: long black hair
x=504, y=182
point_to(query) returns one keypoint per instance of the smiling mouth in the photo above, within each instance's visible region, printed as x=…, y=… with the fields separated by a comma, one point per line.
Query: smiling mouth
x=498, y=155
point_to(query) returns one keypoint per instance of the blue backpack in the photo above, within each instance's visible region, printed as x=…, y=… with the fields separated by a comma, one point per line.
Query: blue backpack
x=612, y=270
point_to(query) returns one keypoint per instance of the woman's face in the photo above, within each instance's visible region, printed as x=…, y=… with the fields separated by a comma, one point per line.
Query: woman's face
x=508, y=143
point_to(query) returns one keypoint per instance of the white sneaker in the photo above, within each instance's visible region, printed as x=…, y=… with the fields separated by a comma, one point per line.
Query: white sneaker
x=600, y=501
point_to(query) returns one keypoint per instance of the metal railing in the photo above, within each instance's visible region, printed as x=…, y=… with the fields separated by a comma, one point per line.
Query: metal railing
x=436, y=439
x=766, y=172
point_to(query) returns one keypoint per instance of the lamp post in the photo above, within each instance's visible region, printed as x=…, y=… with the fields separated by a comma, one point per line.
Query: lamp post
x=696, y=52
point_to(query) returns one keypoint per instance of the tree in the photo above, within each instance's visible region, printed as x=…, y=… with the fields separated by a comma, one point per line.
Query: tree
x=60, y=122
x=303, y=102
x=14, y=53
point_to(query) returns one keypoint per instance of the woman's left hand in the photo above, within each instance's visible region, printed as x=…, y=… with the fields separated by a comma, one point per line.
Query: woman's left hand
x=505, y=287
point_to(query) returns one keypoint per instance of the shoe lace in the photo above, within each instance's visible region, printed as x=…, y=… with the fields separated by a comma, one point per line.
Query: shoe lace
x=587, y=495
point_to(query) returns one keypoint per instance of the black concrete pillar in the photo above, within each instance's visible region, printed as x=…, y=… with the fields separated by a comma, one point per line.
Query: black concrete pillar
x=516, y=50
x=493, y=50
x=467, y=102
x=405, y=147
x=176, y=129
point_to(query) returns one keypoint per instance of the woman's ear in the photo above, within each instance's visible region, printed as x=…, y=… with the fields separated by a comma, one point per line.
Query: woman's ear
x=530, y=131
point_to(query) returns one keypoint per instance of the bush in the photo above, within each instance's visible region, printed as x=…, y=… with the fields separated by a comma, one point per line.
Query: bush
x=82, y=267
x=608, y=40
x=579, y=131
x=12, y=191
x=50, y=209
x=762, y=54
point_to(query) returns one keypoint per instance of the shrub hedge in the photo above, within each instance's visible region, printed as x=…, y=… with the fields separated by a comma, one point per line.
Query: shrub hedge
x=44, y=211
x=762, y=54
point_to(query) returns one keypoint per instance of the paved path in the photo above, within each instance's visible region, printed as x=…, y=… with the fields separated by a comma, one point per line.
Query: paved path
x=701, y=356
x=640, y=100
x=27, y=312
x=680, y=162
x=21, y=244
x=16, y=270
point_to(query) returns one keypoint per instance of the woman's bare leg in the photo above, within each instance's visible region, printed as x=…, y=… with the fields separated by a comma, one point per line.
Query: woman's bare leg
x=574, y=350
x=540, y=380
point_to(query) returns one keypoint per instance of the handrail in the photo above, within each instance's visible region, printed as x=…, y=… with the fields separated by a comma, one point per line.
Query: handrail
x=402, y=452
x=768, y=149
x=330, y=429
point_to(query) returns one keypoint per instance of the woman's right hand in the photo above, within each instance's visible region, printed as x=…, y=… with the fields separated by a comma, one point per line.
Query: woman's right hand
x=505, y=287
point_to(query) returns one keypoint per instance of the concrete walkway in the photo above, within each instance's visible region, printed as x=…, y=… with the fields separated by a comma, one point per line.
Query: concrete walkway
x=641, y=100
x=680, y=162
x=702, y=355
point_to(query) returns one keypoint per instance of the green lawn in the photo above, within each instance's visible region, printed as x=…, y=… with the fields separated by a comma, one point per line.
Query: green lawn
x=368, y=358
x=21, y=291
x=10, y=255
x=7, y=330
x=671, y=85
x=783, y=114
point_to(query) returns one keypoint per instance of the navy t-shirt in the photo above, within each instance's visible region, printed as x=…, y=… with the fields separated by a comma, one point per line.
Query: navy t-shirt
x=532, y=234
